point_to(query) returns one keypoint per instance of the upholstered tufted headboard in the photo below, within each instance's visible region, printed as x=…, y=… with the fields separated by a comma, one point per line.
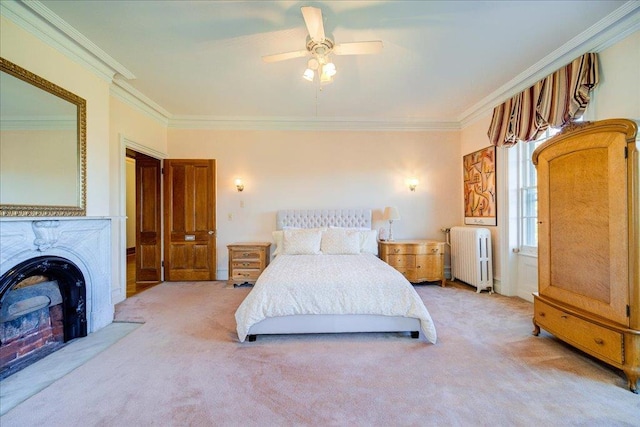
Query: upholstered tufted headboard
x=360, y=218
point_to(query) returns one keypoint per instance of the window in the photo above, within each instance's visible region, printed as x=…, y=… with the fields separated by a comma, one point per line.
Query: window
x=528, y=194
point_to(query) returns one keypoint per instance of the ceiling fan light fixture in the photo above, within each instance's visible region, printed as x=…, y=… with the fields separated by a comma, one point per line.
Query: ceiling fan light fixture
x=329, y=69
x=313, y=64
x=325, y=78
x=308, y=74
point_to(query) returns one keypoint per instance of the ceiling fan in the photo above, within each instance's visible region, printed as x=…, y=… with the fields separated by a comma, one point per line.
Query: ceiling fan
x=320, y=47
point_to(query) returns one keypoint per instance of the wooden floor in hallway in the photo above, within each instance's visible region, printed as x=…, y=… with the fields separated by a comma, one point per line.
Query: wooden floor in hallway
x=134, y=288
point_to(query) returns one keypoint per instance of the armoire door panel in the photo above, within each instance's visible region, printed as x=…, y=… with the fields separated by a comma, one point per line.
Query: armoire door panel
x=583, y=216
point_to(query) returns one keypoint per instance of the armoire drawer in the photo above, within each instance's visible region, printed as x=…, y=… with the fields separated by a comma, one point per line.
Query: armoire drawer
x=585, y=335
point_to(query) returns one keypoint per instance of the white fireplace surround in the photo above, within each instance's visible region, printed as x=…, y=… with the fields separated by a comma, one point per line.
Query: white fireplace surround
x=84, y=241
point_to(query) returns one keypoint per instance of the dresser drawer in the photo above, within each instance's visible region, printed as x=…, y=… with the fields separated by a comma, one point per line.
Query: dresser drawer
x=246, y=253
x=409, y=273
x=248, y=275
x=246, y=264
x=398, y=249
x=434, y=248
x=602, y=342
x=402, y=260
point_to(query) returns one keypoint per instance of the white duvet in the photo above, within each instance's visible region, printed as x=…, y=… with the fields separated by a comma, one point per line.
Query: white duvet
x=331, y=284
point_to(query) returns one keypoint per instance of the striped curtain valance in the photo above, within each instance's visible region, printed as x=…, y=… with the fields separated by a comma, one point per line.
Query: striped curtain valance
x=553, y=101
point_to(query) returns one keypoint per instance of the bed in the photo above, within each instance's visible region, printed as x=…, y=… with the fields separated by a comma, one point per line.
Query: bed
x=326, y=278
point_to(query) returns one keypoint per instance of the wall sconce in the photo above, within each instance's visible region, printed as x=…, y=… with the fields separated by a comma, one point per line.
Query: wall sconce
x=239, y=184
x=412, y=183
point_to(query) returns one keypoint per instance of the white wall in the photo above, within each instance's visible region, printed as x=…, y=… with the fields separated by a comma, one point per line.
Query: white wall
x=306, y=170
x=618, y=94
x=128, y=126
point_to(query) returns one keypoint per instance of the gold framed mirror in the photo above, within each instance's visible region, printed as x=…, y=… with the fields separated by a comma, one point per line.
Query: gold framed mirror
x=42, y=146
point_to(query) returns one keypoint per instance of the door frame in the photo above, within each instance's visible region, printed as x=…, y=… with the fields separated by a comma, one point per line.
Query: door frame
x=120, y=252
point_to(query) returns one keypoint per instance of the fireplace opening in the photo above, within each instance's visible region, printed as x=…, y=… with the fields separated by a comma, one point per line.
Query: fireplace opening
x=42, y=306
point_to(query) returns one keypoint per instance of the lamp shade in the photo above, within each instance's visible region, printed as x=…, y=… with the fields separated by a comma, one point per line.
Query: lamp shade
x=391, y=214
x=308, y=74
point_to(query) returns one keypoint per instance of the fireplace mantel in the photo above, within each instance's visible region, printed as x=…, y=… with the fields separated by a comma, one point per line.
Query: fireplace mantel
x=86, y=241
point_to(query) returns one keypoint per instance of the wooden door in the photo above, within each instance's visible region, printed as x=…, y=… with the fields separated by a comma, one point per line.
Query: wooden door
x=148, y=219
x=189, y=220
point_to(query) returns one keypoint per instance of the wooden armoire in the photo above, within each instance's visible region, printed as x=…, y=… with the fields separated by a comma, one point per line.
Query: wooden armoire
x=588, y=241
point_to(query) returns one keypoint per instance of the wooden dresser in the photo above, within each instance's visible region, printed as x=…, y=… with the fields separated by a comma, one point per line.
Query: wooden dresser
x=588, y=249
x=418, y=260
x=247, y=261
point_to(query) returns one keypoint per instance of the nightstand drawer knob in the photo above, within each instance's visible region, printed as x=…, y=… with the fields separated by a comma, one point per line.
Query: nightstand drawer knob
x=396, y=251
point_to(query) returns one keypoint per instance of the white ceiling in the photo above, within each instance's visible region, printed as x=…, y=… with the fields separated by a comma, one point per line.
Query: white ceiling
x=441, y=61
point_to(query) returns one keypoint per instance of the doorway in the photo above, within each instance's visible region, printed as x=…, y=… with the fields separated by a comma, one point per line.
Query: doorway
x=143, y=209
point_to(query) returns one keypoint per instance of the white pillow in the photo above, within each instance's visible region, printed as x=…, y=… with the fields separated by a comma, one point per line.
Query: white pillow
x=301, y=242
x=278, y=235
x=368, y=239
x=336, y=241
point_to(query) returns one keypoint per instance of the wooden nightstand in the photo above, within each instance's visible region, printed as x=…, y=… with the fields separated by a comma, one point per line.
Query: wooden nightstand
x=418, y=260
x=247, y=261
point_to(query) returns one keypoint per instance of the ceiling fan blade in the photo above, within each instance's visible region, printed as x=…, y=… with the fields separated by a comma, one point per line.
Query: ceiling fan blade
x=284, y=56
x=358, y=48
x=313, y=20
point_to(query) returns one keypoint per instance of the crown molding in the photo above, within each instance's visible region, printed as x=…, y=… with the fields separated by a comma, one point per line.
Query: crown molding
x=136, y=99
x=305, y=124
x=37, y=19
x=606, y=32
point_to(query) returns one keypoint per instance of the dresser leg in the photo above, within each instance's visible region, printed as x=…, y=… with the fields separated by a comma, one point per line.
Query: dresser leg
x=536, y=328
x=632, y=378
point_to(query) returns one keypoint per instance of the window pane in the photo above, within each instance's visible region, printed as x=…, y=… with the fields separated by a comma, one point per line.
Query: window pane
x=528, y=192
x=530, y=205
x=530, y=235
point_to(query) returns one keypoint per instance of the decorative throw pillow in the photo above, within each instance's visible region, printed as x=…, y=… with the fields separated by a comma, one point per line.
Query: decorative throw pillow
x=337, y=241
x=301, y=242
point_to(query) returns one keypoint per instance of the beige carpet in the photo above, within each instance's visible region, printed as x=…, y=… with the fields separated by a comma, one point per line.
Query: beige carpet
x=184, y=366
